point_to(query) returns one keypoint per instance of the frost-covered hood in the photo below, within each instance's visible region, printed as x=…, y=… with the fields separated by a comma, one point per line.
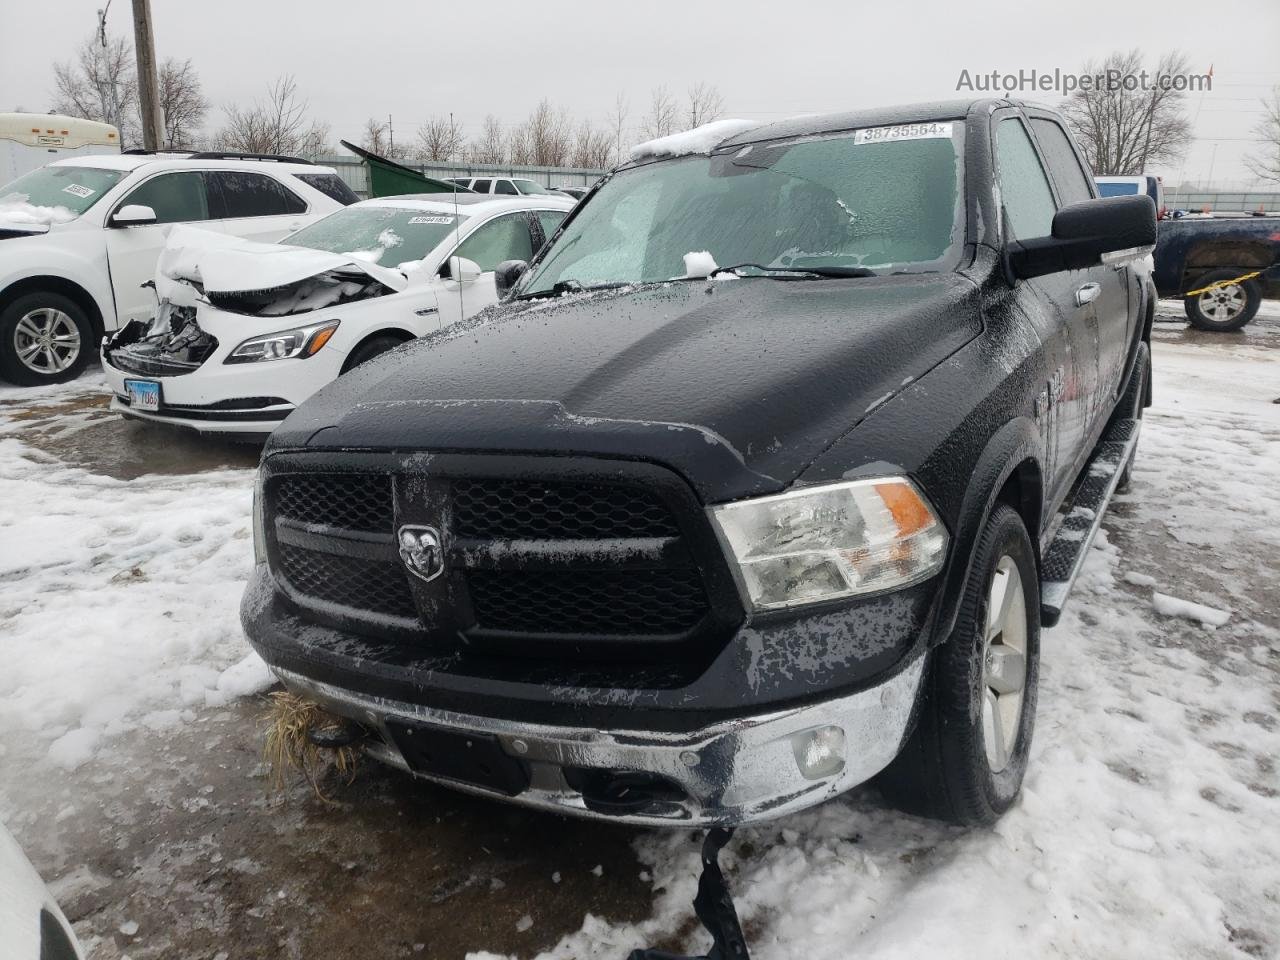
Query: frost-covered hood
x=738, y=385
x=224, y=264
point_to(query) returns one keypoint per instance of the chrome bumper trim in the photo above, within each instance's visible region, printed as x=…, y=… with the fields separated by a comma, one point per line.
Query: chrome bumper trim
x=740, y=770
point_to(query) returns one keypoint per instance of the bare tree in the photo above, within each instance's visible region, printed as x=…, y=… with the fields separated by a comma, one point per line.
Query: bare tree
x=101, y=84
x=662, y=117
x=491, y=145
x=705, y=104
x=1124, y=131
x=617, y=124
x=182, y=103
x=278, y=124
x=1264, y=160
x=545, y=137
x=439, y=139
x=591, y=147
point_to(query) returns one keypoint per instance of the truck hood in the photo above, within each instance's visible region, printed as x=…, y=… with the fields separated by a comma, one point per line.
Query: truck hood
x=738, y=385
x=225, y=264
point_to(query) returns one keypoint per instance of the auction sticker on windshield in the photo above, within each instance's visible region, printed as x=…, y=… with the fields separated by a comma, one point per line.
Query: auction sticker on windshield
x=906, y=131
x=431, y=219
x=143, y=394
x=79, y=191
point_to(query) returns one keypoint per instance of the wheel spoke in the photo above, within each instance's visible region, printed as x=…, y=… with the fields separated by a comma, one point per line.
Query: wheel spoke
x=998, y=603
x=993, y=732
x=1006, y=669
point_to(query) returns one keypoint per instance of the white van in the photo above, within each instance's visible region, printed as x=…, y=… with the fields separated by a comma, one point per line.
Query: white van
x=30, y=140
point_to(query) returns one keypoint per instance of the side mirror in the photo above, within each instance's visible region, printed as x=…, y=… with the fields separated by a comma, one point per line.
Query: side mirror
x=507, y=274
x=460, y=269
x=1086, y=234
x=133, y=215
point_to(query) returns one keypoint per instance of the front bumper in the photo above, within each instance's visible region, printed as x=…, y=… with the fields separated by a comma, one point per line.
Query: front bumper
x=736, y=771
x=216, y=397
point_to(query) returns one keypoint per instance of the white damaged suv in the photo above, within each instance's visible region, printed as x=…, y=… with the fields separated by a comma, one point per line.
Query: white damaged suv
x=247, y=331
x=79, y=240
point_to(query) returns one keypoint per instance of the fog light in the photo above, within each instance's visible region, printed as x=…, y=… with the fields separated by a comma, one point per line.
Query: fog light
x=819, y=752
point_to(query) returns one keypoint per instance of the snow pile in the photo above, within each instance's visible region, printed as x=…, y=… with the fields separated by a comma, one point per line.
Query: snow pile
x=20, y=213
x=699, y=264
x=701, y=139
x=1168, y=606
x=118, y=600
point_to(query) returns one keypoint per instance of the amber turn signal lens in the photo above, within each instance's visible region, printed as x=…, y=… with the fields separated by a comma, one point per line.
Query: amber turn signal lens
x=319, y=339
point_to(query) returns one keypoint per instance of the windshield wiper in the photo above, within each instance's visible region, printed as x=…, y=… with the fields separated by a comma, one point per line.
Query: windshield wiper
x=572, y=286
x=798, y=272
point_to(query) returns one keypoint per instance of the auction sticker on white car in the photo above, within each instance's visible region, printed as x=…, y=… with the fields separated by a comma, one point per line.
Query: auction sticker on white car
x=905, y=131
x=143, y=394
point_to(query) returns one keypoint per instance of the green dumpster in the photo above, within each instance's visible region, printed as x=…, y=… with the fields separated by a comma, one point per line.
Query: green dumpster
x=390, y=179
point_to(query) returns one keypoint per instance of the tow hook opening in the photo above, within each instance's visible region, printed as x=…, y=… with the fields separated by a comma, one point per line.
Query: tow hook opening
x=620, y=792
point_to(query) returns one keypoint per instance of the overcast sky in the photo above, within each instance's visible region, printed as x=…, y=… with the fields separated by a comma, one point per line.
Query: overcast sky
x=411, y=59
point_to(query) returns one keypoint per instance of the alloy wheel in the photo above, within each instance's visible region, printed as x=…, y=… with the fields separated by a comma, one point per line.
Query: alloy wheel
x=1004, y=663
x=1223, y=304
x=46, y=340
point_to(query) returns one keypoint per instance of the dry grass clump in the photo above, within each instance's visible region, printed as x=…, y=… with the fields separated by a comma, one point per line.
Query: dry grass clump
x=288, y=750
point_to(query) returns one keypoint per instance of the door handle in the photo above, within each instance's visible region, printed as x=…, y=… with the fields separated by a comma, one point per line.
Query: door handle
x=1087, y=293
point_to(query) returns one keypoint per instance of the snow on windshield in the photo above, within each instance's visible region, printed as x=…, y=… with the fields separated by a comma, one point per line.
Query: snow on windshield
x=21, y=212
x=701, y=139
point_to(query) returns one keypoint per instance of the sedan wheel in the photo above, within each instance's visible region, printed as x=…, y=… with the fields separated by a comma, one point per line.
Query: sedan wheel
x=46, y=341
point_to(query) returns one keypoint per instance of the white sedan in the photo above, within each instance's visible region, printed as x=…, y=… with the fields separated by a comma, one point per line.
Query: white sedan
x=245, y=331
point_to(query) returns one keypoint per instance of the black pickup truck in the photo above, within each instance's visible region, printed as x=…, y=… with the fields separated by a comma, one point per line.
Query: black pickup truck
x=761, y=481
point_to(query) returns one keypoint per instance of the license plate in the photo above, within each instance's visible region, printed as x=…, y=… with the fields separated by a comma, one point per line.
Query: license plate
x=143, y=394
x=477, y=759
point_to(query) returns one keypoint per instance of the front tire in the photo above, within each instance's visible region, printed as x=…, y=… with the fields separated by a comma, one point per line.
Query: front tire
x=371, y=348
x=44, y=338
x=1225, y=308
x=966, y=758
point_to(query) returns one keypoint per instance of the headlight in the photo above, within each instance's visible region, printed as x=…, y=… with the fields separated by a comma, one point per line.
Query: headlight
x=832, y=541
x=259, y=529
x=300, y=342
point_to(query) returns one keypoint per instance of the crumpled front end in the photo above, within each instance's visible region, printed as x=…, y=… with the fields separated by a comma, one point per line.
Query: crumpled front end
x=171, y=345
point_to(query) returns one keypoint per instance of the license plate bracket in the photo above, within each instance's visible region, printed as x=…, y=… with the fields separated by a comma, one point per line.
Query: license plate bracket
x=471, y=758
x=143, y=394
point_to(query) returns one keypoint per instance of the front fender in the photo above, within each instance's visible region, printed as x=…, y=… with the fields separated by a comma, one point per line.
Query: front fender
x=65, y=257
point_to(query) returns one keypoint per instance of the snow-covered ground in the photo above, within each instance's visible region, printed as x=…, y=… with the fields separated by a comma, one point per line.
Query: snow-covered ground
x=1150, y=823
x=118, y=599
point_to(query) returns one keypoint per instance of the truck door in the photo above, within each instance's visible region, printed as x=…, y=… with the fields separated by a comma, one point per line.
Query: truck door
x=1064, y=316
x=132, y=251
x=1110, y=297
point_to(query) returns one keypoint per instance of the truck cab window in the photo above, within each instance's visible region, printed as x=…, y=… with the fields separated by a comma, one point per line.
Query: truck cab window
x=1024, y=189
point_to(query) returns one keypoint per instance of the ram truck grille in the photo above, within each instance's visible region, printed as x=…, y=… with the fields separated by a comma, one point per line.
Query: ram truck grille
x=533, y=567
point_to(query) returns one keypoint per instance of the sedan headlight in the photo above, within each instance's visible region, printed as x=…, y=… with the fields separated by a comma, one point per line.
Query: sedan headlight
x=299, y=342
x=832, y=541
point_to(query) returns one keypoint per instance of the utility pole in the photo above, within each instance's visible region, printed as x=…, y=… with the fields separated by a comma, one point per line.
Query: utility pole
x=391, y=138
x=144, y=45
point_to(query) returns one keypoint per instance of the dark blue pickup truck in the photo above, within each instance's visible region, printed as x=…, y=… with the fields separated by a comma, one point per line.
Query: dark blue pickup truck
x=1221, y=267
